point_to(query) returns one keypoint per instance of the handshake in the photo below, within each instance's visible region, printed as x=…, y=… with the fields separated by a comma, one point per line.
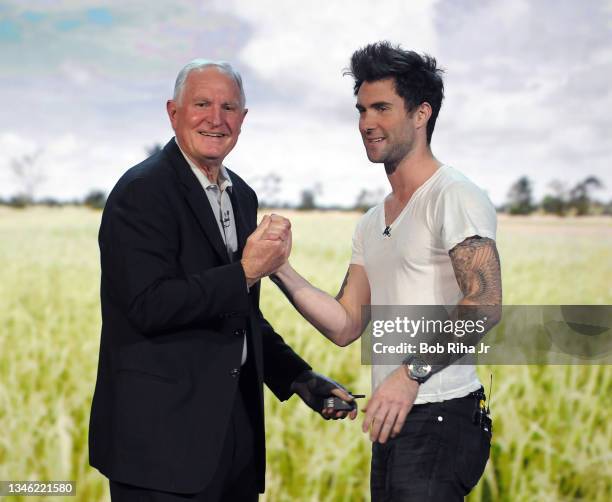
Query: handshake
x=267, y=248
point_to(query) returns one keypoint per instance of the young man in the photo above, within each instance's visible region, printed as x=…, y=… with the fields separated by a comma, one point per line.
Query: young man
x=431, y=242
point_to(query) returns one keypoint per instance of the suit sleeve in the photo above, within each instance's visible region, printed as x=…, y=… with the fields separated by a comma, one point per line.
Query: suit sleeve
x=281, y=364
x=139, y=249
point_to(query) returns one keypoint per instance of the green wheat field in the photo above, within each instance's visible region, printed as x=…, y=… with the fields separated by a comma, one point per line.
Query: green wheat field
x=552, y=425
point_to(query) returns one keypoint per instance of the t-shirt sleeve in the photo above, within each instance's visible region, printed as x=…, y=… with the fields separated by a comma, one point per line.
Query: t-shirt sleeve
x=357, y=254
x=464, y=211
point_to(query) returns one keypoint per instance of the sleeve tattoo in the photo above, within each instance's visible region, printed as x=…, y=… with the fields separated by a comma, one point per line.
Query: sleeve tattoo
x=478, y=272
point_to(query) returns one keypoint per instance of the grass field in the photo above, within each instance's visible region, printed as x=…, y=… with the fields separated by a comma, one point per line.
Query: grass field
x=552, y=425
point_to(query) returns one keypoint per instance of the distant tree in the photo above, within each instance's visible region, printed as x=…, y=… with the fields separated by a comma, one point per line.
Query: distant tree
x=95, y=199
x=580, y=196
x=520, y=197
x=153, y=149
x=308, y=197
x=28, y=175
x=307, y=200
x=19, y=201
x=267, y=188
x=607, y=209
x=50, y=202
x=368, y=198
x=555, y=203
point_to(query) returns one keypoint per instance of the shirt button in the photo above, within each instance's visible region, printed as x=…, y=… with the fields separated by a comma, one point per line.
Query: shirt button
x=235, y=372
x=240, y=332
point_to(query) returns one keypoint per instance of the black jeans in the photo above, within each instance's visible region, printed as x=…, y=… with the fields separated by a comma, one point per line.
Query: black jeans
x=439, y=455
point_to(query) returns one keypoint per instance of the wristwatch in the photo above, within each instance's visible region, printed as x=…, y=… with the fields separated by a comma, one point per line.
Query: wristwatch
x=416, y=368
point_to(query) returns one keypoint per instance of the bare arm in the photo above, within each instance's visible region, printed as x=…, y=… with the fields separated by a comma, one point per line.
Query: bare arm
x=478, y=272
x=339, y=318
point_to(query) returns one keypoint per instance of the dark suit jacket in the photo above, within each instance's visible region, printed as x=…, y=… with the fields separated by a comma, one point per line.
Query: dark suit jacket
x=174, y=313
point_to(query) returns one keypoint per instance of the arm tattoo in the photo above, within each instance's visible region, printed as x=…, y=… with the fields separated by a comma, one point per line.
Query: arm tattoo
x=477, y=269
x=341, y=292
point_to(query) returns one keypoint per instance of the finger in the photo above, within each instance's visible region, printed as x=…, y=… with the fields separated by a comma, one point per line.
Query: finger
x=377, y=423
x=399, y=421
x=370, y=409
x=271, y=235
x=353, y=414
x=342, y=394
x=277, y=218
x=388, y=425
x=280, y=232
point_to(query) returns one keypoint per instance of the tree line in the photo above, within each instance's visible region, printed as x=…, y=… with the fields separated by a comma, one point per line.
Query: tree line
x=560, y=199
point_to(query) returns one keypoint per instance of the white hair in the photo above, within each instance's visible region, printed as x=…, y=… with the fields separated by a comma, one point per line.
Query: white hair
x=200, y=64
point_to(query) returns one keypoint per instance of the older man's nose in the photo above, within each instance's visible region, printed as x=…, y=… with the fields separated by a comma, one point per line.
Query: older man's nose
x=215, y=116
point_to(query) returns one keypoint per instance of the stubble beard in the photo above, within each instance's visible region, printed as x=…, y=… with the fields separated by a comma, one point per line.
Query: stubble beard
x=394, y=157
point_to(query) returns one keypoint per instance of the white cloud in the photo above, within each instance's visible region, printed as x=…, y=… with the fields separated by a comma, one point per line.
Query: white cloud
x=527, y=88
x=307, y=44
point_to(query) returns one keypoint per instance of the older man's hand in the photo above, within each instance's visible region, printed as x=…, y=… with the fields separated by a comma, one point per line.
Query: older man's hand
x=314, y=389
x=267, y=248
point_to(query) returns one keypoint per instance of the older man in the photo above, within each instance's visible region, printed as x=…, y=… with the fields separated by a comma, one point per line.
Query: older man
x=177, y=412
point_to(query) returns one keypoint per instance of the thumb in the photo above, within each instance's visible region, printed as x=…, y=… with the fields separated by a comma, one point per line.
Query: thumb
x=345, y=396
x=262, y=227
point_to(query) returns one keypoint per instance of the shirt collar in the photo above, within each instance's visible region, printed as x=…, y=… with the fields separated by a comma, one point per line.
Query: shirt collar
x=224, y=180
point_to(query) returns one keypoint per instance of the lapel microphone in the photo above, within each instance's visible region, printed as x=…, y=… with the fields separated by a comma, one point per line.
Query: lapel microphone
x=387, y=232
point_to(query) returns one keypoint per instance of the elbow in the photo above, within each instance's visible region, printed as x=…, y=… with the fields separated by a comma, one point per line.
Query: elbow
x=143, y=316
x=140, y=320
x=344, y=339
x=492, y=314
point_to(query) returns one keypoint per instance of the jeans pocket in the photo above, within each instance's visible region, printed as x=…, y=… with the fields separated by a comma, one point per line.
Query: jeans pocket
x=472, y=454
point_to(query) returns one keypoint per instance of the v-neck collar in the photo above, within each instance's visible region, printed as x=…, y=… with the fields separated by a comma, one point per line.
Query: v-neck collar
x=410, y=201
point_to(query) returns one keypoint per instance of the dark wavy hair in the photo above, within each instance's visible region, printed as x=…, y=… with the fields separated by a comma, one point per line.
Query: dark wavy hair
x=417, y=78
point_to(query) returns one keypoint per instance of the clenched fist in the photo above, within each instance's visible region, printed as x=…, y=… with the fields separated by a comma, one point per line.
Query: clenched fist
x=267, y=248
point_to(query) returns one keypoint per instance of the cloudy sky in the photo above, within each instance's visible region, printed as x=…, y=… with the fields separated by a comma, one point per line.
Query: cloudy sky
x=528, y=87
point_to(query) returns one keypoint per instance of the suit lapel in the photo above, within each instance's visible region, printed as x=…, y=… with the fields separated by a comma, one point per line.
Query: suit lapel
x=197, y=199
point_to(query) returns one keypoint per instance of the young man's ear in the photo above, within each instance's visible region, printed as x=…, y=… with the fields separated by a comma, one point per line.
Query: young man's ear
x=423, y=113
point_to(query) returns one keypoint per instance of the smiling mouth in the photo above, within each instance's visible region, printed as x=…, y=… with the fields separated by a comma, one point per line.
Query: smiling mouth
x=375, y=140
x=212, y=134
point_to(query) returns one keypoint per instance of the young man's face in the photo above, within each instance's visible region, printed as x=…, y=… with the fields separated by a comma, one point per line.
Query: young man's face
x=387, y=129
x=207, y=116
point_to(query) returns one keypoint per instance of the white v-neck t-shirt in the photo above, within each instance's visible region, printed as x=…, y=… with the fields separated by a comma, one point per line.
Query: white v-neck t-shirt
x=411, y=266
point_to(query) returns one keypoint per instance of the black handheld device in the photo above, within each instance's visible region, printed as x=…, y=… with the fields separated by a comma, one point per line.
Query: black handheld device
x=341, y=405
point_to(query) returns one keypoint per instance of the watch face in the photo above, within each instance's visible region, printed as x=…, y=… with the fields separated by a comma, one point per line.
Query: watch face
x=419, y=369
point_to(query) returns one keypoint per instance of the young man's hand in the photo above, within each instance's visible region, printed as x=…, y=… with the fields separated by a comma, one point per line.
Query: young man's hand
x=386, y=411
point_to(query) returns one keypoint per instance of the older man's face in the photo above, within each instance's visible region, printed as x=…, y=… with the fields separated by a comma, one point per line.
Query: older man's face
x=207, y=116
